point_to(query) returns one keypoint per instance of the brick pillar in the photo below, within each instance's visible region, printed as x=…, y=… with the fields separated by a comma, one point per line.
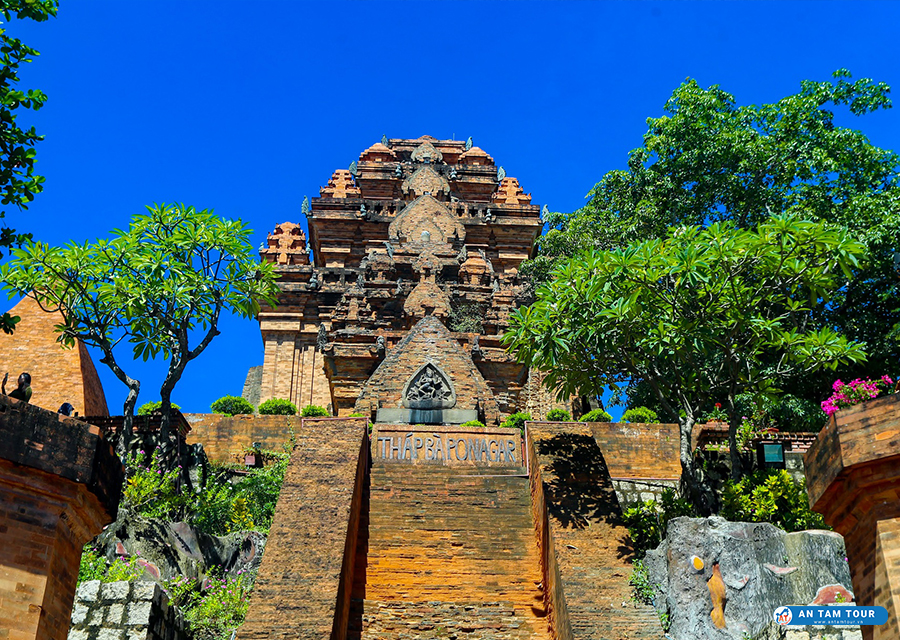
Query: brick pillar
x=59, y=485
x=853, y=478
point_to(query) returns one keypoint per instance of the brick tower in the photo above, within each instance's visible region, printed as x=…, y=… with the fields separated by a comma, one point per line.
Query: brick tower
x=413, y=273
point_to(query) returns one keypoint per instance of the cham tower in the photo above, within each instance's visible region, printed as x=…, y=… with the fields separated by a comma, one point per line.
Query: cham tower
x=403, y=521
x=403, y=289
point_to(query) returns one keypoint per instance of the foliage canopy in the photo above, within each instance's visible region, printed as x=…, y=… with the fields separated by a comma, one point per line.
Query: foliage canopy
x=696, y=315
x=161, y=286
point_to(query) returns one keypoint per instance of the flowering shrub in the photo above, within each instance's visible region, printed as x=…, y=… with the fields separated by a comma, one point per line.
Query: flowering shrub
x=717, y=414
x=214, y=608
x=152, y=490
x=848, y=394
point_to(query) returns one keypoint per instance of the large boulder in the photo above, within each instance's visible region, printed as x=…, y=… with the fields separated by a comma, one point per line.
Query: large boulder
x=168, y=549
x=761, y=568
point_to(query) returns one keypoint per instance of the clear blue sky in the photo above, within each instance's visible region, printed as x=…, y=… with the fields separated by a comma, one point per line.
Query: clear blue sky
x=246, y=107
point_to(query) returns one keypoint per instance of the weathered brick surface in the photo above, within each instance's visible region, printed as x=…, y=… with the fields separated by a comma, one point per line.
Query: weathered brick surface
x=306, y=563
x=853, y=479
x=449, y=551
x=225, y=438
x=592, y=547
x=428, y=341
x=59, y=485
x=124, y=611
x=57, y=375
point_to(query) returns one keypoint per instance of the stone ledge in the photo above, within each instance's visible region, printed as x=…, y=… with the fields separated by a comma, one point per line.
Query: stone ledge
x=65, y=447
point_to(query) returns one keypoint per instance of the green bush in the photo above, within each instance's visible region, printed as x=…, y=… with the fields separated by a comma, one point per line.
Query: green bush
x=516, y=421
x=314, y=411
x=95, y=567
x=153, y=407
x=597, y=415
x=647, y=521
x=223, y=507
x=232, y=406
x=357, y=414
x=153, y=490
x=770, y=495
x=277, y=407
x=642, y=415
x=213, y=610
x=559, y=415
x=472, y=423
x=641, y=588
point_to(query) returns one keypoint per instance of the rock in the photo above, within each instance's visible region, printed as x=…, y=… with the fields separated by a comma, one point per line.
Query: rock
x=762, y=568
x=168, y=549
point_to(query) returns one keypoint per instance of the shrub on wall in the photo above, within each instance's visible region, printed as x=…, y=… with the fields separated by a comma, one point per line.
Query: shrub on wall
x=559, y=415
x=770, y=495
x=641, y=414
x=278, y=407
x=516, y=421
x=314, y=411
x=472, y=423
x=153, y=407
x=647, y=521
x=232, y=406
x=597, y=415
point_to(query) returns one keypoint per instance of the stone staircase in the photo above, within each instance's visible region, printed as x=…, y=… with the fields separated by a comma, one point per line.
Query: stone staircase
x=449, y=554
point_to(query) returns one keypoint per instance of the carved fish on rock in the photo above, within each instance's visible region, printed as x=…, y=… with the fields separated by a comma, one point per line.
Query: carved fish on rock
x=717, y=595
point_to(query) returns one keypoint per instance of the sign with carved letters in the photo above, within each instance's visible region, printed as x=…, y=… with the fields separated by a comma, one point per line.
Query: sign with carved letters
x=445, y=445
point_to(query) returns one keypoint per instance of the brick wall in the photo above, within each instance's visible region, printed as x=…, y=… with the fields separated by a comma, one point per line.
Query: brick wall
x=304, y=567
x=294, y=368
x=224, y=438
x=57, y=375
x=59, y=485
x=853, y=479
x=554, y=598
x=124, y=611
x=591, y=545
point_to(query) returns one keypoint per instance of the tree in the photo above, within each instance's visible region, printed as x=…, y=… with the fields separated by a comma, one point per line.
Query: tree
x=161, y=285
x=709, y=160
x=700, y=314
x=18, y=182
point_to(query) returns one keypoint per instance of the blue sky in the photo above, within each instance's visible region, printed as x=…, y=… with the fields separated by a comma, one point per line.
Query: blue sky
x=247, y=107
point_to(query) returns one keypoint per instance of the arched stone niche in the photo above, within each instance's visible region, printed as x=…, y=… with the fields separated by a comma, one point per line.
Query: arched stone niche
x=429, y=388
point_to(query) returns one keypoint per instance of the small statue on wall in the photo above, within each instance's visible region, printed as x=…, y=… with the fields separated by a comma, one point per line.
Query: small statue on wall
x=380, y=346
x=322, y=339
x=313, y=281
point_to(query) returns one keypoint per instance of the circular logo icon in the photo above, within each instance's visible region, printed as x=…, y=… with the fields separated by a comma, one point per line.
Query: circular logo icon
x=783, y=615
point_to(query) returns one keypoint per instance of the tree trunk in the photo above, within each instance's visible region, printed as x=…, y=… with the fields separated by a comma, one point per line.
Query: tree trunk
x=737, y=464
x=689, y=481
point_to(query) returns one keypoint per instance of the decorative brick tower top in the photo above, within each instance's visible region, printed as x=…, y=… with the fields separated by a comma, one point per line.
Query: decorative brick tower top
x=415, y=228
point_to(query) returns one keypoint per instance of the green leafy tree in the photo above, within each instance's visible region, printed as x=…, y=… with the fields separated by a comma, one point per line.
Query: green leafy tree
x=18, y=182
x=696, y=316
x=708, y=159
x=161, y=285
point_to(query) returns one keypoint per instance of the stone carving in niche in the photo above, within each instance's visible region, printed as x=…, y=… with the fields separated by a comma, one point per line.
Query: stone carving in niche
x=429, y=388
x=426, y=152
